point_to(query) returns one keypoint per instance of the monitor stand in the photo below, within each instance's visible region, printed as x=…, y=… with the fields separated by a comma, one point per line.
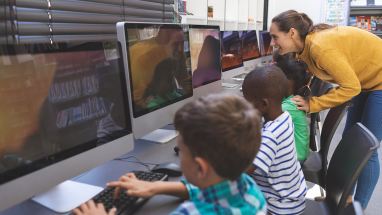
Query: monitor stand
x=66, y=196
x=160, y=136
x=240, y=77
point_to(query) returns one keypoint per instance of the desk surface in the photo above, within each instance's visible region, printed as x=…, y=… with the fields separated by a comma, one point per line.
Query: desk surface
x=146, y=152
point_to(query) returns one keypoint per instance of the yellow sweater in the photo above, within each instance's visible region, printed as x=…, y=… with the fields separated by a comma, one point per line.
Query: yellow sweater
x=347, y=56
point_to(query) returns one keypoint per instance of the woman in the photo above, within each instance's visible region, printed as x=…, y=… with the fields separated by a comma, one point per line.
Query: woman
x=349, y=57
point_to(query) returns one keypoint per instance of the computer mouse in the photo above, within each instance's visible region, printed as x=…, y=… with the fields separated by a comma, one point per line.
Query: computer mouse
x=176, y=150
x=171, y=169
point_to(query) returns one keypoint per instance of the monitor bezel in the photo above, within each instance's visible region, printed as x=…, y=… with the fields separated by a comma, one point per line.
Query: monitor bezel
x=135, y=113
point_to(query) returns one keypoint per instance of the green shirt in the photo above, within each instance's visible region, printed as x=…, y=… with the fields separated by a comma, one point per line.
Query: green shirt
x=301, y=128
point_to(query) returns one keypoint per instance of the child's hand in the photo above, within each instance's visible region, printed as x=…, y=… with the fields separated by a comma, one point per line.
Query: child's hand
x=90, y=208
x=301, y=103
x=134, y=186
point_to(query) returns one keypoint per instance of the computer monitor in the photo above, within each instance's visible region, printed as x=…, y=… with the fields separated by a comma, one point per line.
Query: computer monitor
x=265, y=43
x=250, y=46
x=157, y=61
x=251, y=51
x=205, y=59
x=231, y=50
x=64, y=110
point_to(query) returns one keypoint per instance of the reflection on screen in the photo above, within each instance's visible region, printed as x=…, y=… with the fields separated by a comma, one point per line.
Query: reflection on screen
x=53, y=102
x=250, y=46
x=265, y=43
x=159, y=66
x=205, y=55
x=231, y=50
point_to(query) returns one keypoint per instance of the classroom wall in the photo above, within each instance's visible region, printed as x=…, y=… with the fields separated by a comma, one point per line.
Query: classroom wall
x=313, y=8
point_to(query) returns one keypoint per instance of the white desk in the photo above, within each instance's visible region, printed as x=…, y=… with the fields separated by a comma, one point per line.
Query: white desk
x=146, y=152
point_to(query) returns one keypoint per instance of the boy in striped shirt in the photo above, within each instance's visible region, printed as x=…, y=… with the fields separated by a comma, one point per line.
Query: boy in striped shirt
x=275, y=168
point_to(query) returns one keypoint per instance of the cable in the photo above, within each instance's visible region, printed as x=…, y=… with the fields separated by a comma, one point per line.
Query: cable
x=125, y=159
x=137, y=161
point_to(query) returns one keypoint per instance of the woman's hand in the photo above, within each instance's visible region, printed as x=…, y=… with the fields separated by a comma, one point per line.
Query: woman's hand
x=301, y=103
x=134, y=186
x=90, y=208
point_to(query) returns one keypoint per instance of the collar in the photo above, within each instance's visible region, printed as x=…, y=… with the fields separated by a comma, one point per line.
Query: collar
x=224, y=189
x=277, y=120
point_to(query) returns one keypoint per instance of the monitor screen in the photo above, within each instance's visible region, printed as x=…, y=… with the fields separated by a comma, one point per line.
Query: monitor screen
x=205, y=54
x=265, y=43
x=250, y=46
x=159, y=65
x=231, y=50
x=58, y=101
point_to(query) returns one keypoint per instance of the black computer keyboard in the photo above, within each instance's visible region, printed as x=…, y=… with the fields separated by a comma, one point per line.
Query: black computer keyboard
x=127, y=204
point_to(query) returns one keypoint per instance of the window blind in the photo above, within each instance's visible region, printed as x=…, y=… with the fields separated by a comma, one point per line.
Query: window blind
x=31, y=21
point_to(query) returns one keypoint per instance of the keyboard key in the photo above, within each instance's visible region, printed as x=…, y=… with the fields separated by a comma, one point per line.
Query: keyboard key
x=126, y=204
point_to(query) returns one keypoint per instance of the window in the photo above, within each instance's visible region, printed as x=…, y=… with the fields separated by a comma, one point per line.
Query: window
x=41, y=21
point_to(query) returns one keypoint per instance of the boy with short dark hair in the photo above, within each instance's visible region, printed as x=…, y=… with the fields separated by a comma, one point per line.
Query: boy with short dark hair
x=219, y=136
x=276, y=169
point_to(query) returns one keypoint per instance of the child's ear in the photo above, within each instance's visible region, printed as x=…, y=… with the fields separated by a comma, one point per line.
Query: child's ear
x=264, y=103
x=203, y=167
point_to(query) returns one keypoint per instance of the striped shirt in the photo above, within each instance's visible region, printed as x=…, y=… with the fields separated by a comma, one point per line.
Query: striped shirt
x=278, y=173
x=241, y=197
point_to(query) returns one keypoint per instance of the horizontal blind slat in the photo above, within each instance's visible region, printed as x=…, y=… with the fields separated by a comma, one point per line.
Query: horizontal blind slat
x=128, y=12
x=36, y=28
x=5, y=39
x=40, y=15
x=41, y=28
x=158, y=1
x=65, y=38
x=70, y=5
x=140, y=19
x=90, y=7
x=148, y=13
x=138, y=4
x=42, y=4
x=3, y=10
x=76, y=19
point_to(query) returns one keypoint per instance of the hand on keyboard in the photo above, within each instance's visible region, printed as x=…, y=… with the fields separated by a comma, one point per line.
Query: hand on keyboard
x=130, y=184
x=94, y=209
x=119, y=199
